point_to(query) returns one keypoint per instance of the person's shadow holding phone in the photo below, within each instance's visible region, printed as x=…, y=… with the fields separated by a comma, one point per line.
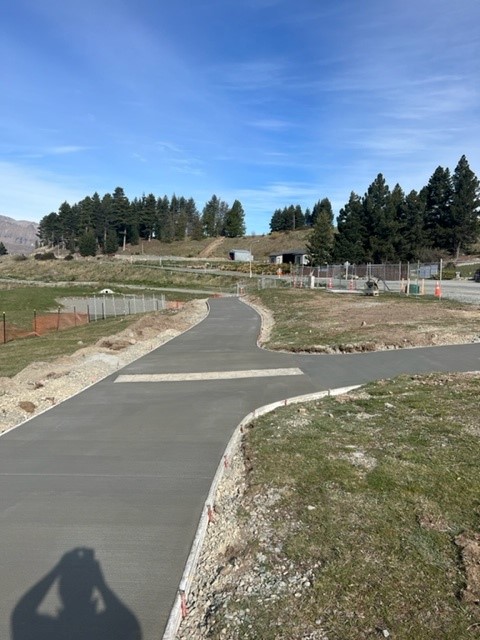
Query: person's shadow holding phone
x=89, y=610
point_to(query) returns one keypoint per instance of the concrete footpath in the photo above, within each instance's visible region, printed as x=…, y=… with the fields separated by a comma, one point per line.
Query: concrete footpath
x=100, y=496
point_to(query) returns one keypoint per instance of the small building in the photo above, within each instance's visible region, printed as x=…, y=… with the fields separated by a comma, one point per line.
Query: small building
x=240, y=255
x=291, y=256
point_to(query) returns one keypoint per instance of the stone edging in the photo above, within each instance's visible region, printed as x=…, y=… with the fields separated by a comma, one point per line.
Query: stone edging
x=175, y=617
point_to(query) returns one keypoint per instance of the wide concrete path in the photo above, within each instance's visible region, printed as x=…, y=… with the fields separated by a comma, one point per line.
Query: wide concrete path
x=100, y=496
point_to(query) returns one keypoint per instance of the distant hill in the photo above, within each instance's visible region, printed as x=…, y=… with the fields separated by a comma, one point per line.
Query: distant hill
x=18, y=236
x=261, y=246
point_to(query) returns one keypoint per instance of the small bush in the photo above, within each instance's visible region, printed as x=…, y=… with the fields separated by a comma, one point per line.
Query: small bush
x=48, y=255
x=19, y=257
x=69, y=257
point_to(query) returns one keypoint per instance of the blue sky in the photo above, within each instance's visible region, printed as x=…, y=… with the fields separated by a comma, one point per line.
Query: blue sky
x=271, y=102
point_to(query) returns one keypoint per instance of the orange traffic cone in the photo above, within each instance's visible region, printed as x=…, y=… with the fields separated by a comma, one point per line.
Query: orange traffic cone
x=438, y=290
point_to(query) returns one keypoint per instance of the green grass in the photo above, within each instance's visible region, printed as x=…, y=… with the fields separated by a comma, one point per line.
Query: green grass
x=18, y=302
x=17, y=354
x=393, y=475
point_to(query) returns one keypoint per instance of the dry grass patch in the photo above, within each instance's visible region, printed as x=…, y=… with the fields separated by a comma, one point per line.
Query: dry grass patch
x=318, y=321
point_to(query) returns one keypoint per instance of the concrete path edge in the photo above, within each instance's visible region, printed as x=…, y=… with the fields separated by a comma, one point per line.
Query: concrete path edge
x=181, y=599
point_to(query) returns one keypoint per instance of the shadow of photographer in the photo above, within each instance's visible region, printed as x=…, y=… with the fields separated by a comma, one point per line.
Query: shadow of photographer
x=89, y=609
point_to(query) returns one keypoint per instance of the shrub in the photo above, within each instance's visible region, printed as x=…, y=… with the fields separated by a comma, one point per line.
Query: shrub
x=48, y=255
x=19, y=257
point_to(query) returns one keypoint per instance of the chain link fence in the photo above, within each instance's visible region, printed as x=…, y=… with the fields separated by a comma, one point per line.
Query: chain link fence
x=391, y=277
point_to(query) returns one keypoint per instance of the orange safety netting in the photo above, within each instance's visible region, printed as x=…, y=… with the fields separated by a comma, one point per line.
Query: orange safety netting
x=58, y=321
x=42, y=324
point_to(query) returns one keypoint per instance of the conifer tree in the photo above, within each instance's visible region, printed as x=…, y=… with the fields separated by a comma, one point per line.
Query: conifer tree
x=212, y=217
x=87, y=244
x=321, y=239
x=350, y=239
x=166, y=231
x=464, y=208
x=439, y=193
x=234, y=222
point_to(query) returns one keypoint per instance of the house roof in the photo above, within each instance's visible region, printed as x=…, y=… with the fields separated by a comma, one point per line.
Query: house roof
x=292, y=252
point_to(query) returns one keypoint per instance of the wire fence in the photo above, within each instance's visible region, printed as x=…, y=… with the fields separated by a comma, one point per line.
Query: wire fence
x=390, y=277
x=101, y=307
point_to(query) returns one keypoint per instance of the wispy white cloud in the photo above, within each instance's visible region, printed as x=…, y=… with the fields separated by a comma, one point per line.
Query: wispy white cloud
x=65, y=150
x=272, y=124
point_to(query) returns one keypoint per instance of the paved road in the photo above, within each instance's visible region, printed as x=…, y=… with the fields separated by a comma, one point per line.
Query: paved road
x=123, y=469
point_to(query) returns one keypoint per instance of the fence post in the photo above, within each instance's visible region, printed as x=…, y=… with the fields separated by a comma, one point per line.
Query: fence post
x=58, y=319
x=75, y=315
x=35, y=321
x=88, y=313
x=4, y=329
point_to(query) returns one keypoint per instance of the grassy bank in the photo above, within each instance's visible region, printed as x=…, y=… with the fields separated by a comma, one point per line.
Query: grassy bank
x=377, y=502
x=16, y=355
x=104, y=272
x=19, y=302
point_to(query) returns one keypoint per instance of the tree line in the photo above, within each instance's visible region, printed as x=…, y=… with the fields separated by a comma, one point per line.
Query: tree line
x=107, y=222
x=388, y=225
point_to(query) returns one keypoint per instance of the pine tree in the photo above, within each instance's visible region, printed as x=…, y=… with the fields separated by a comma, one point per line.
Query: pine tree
x=99, y=219
x=234, y=223
x=111, y=242
x=465, y=207
x=379, y=222
x=439, y=193
x=212, y=220
x=413, y=244
x=148, y=217
x=288, y=219
x=194, y=229
x=86, y=218
x=318, y=208
x=166, y=230
x=69, y=221
x=87, y=244
x=49, y=230
x=276, y=221
x=350, y=239
x=3, y=249
x=321, y=239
